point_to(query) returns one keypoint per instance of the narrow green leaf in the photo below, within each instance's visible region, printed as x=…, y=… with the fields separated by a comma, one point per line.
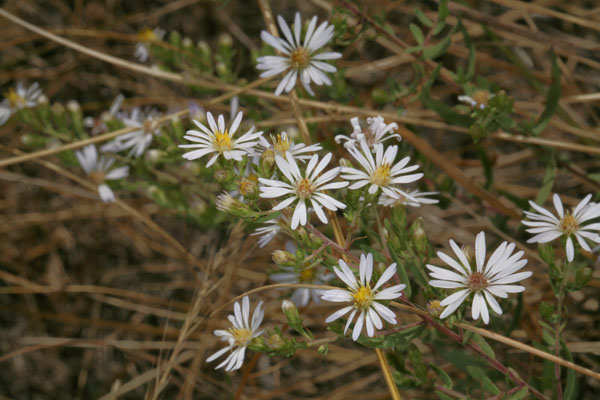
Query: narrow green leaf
x=570, y=391
x=520, y=395
x=401, y=269
x=443, y=396
x=552, y=98
x=436, y=50
x=444, y=377
x=470, y=72
x=482, y=378
x=424, y=19
x=417, y=34
x=547, y=183
x=481, y=342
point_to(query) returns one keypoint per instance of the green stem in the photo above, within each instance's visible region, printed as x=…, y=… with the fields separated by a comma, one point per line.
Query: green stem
x=560, y=296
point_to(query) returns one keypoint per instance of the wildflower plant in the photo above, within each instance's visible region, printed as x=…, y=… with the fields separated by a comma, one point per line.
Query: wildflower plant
x=348, y=228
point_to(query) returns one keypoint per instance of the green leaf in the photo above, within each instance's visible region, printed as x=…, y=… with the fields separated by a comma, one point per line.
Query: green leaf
x=488, y=168
x=570, y=391
x=520, y=395
x=424, y=19
x=443, y=396
x=482, y=378
x=547, y=183
x=481, y=342
x=552, y=98
x=443, y=12
x=470, y=72
x=444, y=377
x=417, y=34
x=401, y=269
x=436, y=50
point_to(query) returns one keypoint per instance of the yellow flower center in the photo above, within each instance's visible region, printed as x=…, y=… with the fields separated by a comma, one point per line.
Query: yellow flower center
x=481, y=97
x=477, y=281
x=435, y=307
x=381, y=175
x=248, y=185
x=281, y=144
x=14, y=99
x=299, y=58
x=304, y=188
x=241, y=336
x=568, y=224
x=363, y=297
x=146, y=35
x=97, y=177
x=222, y=141
x=308, y=275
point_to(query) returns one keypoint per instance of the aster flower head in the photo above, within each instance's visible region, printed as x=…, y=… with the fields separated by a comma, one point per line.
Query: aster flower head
x=282, y=143
x=220, y=140
x=365, y=298
x=299, y=59
x=484, y=280
x=304, y=187
x=268, y=231
x=99, y=170
x=414, y=199
x=313, y=274
x=146, y=127
x=18, y=98
x=479, y=99
x=145, y=37
x=547, y=227
x=380, y=172
x=239, y=335
x=377, y=132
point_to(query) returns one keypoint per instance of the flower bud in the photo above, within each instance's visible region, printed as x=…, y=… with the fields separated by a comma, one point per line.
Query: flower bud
x=266, y=162
x=73, y=106
x=187, y=42
x=222, y=176
x=248, y=186
x=292, y=315
x=225, y=40
x=226, y=203
x=275, y=341
x=284, y=258
x=417, y=231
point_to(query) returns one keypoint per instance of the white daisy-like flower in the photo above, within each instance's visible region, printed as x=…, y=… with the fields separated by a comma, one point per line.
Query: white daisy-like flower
x=98, y=125
x=100, y=170
x=299, y=59
x=377, y=132
x=547, y=227
x=479, y=99
x=282, y=143
x=366, y=300
x=239, y=335
x=304, y=187
x=146, y=124
x=268, y=231
x=18, y=98
x=381, y=172
x=145, y=37
x=415, y=200
x=311, y=274
x=483, y=280
x=218, y=139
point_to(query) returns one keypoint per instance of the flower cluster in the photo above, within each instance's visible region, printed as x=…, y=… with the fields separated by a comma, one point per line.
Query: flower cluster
x=18, y=98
